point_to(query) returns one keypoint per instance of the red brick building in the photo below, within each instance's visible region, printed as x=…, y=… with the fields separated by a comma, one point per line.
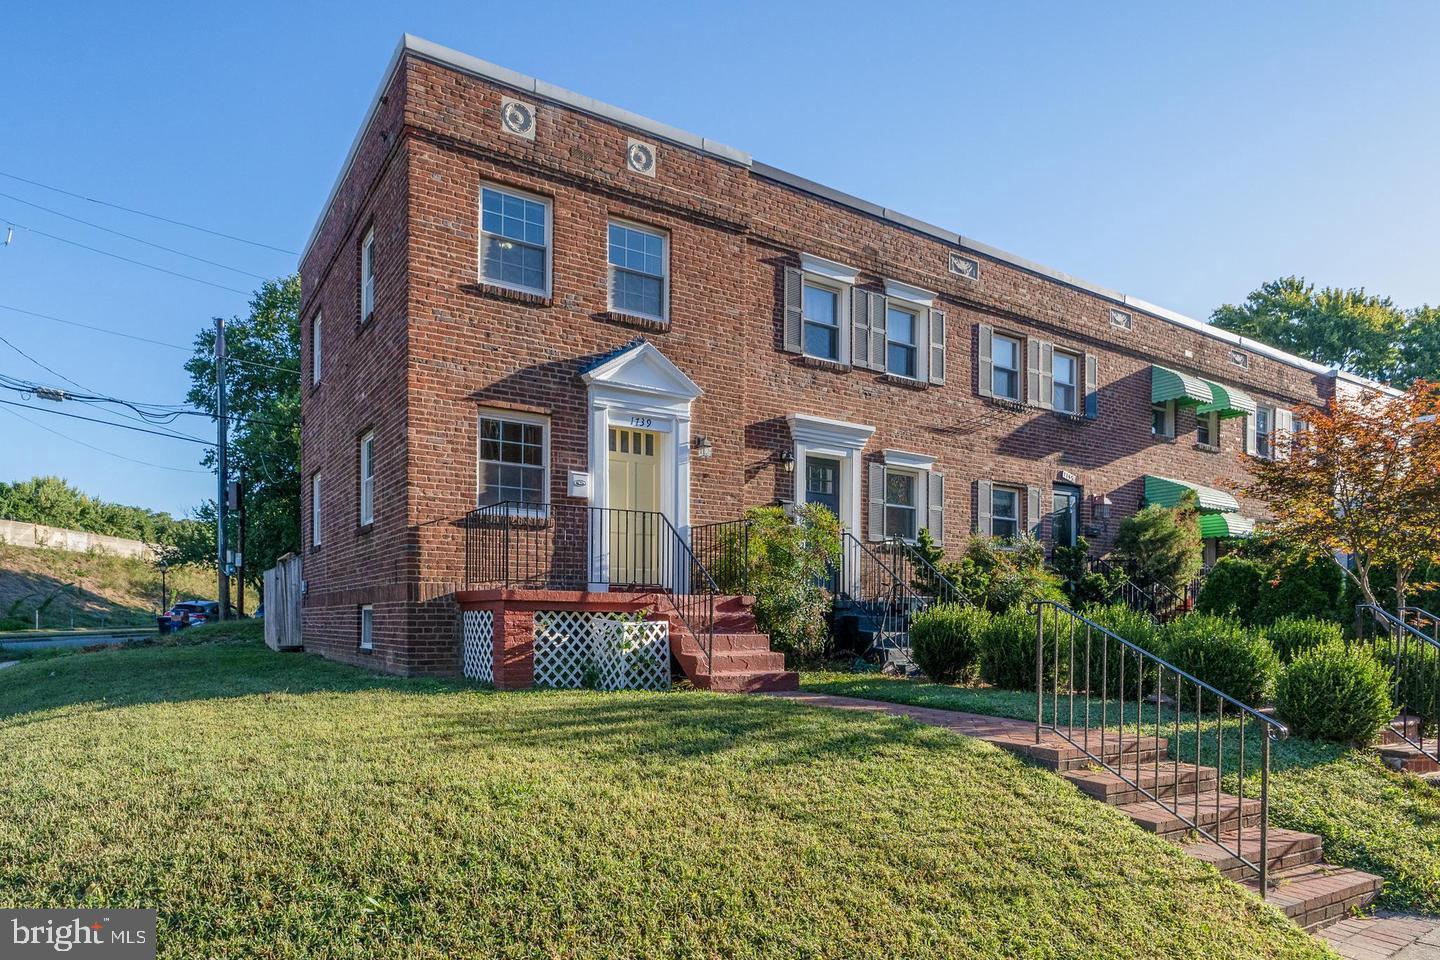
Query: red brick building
x=517, y=294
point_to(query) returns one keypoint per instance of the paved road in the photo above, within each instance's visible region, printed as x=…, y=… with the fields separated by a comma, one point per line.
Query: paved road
x=59, y=642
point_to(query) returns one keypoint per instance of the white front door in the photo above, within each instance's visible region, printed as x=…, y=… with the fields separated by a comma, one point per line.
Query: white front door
x=634, y=507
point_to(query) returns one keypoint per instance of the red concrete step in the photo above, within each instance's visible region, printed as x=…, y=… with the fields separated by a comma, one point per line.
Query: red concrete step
x=1164, y=782
x=1217, y=813
x=741, y=641
x=1318, y=894
x=1288, y=849
x=746, y=661
x=750, y=681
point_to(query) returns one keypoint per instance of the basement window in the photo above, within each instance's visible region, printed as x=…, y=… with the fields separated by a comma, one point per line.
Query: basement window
x=367, y=627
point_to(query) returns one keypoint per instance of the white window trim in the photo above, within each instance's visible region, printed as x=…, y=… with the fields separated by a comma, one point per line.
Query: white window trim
x=367, y=626
x=920, y=478
x=367, y=276
x=316, y=354
x=895, y=290
x=1211, y=421
x=549, y=239
x=1077, y=365
x=1169, y=433
x=1019, y=368
x=1265, y=440
x=519, y=417
x=922, y=350
x=610, y=268
x=1019, y=494
x=367, y=484
x=828, y=269
x=316, y=509
x=842, y=315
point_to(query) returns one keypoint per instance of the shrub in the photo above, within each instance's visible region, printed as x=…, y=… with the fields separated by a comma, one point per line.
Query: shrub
x=1305, y=585
x=1290, y=636
x=945, y=641
x=1007, y=651
x=1234, y=588
x=1335, y=692
x=1085, y=587
x=790, y=559
x=1161, y=545
x=999, y=574
x=1223, y=653
x=1107, y=655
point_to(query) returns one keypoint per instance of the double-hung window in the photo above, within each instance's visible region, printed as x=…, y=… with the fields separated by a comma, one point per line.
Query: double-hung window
x=515, y=241
x=315, y=510
x=902, y=513
x=367, y=478
x=1207, y=429
x=512, y=459
x=820, y=307
x=367, y=627
x=1004, y=512
x=1265, y=432
x=367, y=276
x=638, y=271
x=901, y=325
x=1005, y=369
x=315, y=350
x=1066, y=374
x=1162, y=419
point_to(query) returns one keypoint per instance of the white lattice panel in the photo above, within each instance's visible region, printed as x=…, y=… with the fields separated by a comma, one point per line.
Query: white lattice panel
x=629, y=655
x=562, y=648
x=477, y=646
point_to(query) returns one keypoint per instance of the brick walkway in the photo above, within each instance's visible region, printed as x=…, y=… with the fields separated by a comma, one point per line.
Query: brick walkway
x=1376, y=937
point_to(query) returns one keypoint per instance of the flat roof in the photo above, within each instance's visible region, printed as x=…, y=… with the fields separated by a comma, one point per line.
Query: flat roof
x=465, y=63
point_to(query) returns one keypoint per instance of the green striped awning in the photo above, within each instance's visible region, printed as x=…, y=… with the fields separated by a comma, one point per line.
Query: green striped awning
x=1225, y=525
x=1167, y=493
x=1228, y=402
x=1167, y=384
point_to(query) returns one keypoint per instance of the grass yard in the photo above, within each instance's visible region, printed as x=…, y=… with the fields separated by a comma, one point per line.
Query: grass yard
x=282, y=806
x=1371, y=818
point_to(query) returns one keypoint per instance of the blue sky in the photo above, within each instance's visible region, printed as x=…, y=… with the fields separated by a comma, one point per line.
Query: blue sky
x=1179, y=153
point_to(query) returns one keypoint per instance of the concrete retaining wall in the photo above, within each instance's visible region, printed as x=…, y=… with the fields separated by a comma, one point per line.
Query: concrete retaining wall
x=75, y=541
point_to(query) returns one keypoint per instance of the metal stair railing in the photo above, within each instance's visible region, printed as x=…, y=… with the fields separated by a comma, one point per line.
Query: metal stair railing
x=1131, y=593
x=873, y=585
x=1414, y=662
x=922, y=575
x=1073, y=655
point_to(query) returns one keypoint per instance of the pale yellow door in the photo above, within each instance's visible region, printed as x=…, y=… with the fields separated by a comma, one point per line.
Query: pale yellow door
x=635, y=527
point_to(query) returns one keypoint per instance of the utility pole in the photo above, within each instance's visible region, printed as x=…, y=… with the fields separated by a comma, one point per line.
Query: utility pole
x=222, y=421
x=237, y=503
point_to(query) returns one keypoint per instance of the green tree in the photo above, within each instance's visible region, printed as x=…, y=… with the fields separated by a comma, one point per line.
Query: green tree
x=263, y=372
x=55, y=503
x=1419, y=347
x=1161, y=545
x=1351, y=329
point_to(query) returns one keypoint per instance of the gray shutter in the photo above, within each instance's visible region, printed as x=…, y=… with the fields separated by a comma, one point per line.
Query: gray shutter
x=937, y=346
x=984, y=493
x=1284, y=424
x=876, y=523
x=987, y=362
x=1250, y=434
x=794, y=320
x=859, y=328
x=1047, y=375
x=1032, y=372
x=1092, y=387
x=877, y=331
x=1032, y=510
x=936, y=501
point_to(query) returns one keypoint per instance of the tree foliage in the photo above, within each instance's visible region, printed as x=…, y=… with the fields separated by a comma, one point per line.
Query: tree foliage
x=1363, y=479
x=1161, y=545
x=264, y=405
x=789, y=560
x=54, y=502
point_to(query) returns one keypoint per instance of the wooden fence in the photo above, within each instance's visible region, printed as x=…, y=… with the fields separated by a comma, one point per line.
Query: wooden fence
x=282, y=605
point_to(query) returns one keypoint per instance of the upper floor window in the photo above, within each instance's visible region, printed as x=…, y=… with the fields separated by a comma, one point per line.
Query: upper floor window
x=902, y=513
x=638, y=268
x=367, y=275
x=315, y=510
x=900, y=350
x=512, y=458
x=1005, y=368
x=1265, y=432
x=515, y=241
x=1162, y=419
x=821, y=309
x=1207, y=429
x=1065, y=368
x=315, y=350
x=1004, y=512
x=367, y=478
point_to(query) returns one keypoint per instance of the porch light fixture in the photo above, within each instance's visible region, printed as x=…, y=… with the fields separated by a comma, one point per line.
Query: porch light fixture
x=701, y=448
x=1100, y=507
x=786, y=459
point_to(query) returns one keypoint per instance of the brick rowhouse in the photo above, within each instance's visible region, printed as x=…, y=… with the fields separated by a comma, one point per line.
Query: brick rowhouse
x=746, y=395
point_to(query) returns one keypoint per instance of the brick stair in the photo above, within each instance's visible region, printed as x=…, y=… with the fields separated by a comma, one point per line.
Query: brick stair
x=742, y=661
x=1399, y=755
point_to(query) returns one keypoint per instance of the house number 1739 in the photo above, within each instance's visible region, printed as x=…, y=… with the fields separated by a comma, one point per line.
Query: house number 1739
x=642, y=422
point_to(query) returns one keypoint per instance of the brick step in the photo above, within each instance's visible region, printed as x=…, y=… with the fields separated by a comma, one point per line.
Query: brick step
x=1061, y=755
x=1230, y=816
x=1319, y=894
x=1165, y=782
x=749, y=681
x=1407, y=759
x=1288, y=849
x=1400, y=728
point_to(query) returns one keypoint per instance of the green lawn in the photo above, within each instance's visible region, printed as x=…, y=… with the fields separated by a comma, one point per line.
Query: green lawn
x=278, y=805
x=1371, y=818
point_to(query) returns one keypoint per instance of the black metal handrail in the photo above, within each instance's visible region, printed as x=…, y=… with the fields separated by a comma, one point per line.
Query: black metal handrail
x=1414, y=662
x=867, y=580
x=1130, y=593
x=724, y=549
x=579, y=547
x=1421, y=614
x=922, y=575
x=1168, y=687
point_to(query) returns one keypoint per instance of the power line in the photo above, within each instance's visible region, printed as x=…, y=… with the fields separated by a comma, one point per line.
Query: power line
x=108, y=423
x=41, y=365
x=152, y=216
x=157, y=246
x=91, y=446
x=138, y=263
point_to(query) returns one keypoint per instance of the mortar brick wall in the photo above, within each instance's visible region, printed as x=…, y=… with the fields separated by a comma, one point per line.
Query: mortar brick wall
x=443, y=345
